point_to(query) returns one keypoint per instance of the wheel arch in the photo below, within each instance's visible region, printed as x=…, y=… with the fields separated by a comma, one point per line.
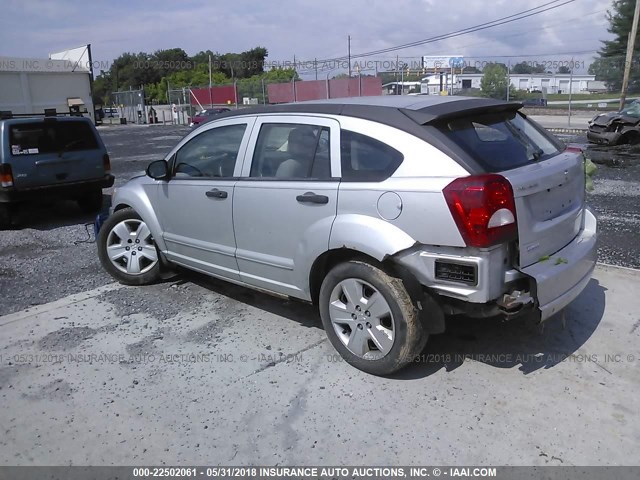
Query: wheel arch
x=427, y=301
x=137, y=199
x=329, y=259
x=629, y=136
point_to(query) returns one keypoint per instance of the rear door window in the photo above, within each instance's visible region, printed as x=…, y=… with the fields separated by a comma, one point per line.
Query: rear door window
x=292, y=151
x=500, y=141
x=51, y=137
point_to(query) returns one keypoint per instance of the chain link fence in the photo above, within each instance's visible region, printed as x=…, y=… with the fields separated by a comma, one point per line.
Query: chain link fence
x=130, y=105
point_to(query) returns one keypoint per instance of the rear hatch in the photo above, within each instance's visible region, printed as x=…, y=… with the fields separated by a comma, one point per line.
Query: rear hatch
x=45, y=152
x=549, y=198
x=548, y=180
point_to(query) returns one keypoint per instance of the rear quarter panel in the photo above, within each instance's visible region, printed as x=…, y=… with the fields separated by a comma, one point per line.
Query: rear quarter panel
x=424, y=216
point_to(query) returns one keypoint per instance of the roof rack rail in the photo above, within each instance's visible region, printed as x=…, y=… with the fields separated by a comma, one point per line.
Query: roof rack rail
x=48, y=112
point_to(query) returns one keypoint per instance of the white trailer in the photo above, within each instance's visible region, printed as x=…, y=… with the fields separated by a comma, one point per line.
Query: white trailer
x=31, y=85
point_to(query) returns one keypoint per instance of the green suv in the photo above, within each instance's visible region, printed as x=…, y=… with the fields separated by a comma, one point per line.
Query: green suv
x=50, y=158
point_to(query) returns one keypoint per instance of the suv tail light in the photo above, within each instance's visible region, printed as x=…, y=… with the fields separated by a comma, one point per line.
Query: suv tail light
x=106, y=163
x=6, y=175
x=483, y=208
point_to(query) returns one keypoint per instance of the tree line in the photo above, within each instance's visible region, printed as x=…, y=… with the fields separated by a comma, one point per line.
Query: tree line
x=173, y=68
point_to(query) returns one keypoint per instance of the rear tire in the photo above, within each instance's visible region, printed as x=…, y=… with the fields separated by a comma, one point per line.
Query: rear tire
x=91, y=202
x=126, y=249
x=370, y=319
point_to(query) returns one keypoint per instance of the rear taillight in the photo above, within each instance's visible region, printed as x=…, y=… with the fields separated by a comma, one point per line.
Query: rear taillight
x=483, y=209
x=573, y=149
x=106, y=163
x=6, y=175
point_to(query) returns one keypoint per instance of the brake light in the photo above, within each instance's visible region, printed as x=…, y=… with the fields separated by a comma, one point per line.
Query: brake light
x=6, y=175
x=483, y=208
x=106, y=163
x=573, y=149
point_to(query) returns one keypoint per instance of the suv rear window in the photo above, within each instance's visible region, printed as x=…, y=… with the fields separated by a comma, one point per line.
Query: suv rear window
x=500, y=141
x=51, y=137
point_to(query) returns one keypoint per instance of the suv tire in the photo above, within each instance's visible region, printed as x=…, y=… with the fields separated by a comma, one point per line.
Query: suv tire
x=5, y=215
x=126, y=249
x=370, y=319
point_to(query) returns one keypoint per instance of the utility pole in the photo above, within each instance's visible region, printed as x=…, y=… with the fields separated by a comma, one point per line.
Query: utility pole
x=508, y=79
x=397, y=68
x=315, y=64
x=630, y=46
x=570, y=90
x=210, y=97
x=349, y=51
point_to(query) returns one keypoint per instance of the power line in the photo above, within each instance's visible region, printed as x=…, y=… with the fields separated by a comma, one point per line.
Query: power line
x=525, y=32
x=482, y=26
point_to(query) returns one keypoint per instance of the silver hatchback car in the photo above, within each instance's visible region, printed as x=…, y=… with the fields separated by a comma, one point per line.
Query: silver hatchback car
x=389, y=213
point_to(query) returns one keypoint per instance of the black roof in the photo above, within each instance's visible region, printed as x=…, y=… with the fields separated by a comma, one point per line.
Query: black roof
x=413, y=114
x=422, y=109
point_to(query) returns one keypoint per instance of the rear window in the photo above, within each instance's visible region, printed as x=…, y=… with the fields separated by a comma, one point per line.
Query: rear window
x=365, y=159
x=51, y=137
x=500, y=141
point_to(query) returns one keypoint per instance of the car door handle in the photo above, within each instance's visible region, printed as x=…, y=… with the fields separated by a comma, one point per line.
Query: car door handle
x=311, y=197
x=215, y=193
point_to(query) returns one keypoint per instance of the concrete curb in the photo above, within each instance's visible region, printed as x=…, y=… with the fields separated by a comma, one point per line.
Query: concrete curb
x=608, y=265
x=63, y=302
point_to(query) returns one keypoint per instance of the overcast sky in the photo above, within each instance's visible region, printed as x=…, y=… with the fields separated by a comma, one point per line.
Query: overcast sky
x=306, y=29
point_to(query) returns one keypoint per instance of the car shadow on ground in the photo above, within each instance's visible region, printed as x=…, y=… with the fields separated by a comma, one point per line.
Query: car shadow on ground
x=50, y=215
x=301, y=312
x=502, y=344
x=517, y=343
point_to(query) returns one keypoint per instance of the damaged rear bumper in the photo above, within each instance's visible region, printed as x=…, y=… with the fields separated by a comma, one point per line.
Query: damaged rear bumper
x=561, y=278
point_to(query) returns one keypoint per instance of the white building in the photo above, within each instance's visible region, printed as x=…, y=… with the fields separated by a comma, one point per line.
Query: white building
x=551, y=83
x=401, y=88
x=31, y=85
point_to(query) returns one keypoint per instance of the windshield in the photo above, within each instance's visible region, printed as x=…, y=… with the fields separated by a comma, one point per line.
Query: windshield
x=633, y=110
x=500, y=141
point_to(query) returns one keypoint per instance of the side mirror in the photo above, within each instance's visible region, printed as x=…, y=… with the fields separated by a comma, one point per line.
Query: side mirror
x=158, y=170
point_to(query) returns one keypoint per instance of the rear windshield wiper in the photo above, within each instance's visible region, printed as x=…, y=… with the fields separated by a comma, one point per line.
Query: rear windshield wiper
x=525, y=140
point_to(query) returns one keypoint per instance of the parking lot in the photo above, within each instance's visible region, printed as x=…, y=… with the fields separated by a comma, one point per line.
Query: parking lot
x=196, y=371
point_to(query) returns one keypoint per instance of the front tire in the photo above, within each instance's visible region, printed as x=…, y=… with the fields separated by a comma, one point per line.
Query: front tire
x=370, y=319
x=126, y=249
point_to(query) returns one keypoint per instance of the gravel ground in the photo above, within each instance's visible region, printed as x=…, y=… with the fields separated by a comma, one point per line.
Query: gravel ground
x=616, y=202
x=50, y=254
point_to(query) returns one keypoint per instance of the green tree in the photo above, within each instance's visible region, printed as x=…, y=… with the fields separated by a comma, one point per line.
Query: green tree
x=609, y=66
x=524, y=68
x=564, y=69
x=175, y=68
x=244, y=64
x=494, y=82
